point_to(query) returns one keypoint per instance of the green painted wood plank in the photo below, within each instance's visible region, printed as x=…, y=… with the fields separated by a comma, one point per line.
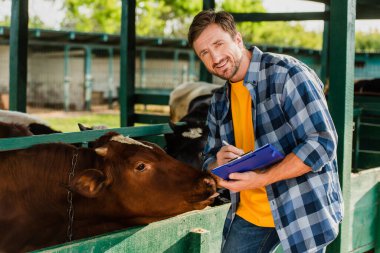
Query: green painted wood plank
x=18, y=69
x=341, y=69
x=204, y=75
x=78, y=137
x=325, y=48
x=154, y=99
x=170, y=235
x=259, y=17
x=127, y=62
x=208, y=4
x=151, y=118
x=88, y=79
x=199, y=241
x=364, y=209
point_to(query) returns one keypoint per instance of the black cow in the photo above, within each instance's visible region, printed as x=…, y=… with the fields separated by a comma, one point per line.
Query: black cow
x=367, y=87
x=188, y=140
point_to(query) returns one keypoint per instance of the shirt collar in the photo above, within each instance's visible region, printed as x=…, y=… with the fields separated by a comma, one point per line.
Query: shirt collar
x=252, y=75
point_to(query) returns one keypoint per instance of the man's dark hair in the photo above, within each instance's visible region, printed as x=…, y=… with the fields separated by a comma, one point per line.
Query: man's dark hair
x=207, y=17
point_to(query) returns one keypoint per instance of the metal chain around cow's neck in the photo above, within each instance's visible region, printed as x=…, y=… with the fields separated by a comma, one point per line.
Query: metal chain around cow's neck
x=70, y=210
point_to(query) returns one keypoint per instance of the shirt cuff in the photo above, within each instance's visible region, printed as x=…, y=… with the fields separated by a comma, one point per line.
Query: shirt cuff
x=312, y=154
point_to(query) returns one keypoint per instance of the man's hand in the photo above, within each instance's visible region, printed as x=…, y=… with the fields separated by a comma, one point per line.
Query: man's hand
x=244, y=181
x=226, y=154
x=290, y=167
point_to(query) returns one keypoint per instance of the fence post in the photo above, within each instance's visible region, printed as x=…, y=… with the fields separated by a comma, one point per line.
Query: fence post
x=200, y=241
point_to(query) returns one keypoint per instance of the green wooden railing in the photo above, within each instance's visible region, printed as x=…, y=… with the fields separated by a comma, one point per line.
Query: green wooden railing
x=83, y=137
x=192, y=232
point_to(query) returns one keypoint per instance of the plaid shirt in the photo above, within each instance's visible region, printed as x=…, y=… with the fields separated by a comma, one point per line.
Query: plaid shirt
x=289, y=111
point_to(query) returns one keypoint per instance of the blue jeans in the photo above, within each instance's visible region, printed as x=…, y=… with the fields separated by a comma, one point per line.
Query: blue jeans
x=245, y=237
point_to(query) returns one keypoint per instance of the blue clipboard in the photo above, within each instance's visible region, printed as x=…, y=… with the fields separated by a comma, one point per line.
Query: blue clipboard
x=253, y=160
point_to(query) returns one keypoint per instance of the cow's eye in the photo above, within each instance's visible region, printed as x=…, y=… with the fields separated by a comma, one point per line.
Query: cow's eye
x=141, y=167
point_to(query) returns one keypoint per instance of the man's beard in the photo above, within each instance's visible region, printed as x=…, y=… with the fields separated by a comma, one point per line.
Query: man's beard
x=235, y=69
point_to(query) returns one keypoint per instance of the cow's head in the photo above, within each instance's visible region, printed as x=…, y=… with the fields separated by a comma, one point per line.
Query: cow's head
x=142, y=183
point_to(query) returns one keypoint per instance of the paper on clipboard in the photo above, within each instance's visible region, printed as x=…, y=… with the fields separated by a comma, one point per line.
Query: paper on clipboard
x=258, y=159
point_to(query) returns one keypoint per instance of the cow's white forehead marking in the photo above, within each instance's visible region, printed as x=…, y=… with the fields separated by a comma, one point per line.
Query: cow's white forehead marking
x=193, y=133
x=127, y=140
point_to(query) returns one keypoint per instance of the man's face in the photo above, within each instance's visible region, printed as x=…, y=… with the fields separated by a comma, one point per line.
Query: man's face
x=221, y=53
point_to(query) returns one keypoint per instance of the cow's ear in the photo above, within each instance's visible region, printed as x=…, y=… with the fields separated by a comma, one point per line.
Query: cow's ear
x=83, y=127
x=102, y=151
x=88, y=183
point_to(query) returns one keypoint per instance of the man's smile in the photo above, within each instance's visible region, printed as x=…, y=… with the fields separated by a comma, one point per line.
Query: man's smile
x=221, y=64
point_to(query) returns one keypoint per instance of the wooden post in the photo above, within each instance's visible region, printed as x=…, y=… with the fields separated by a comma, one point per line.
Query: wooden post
x=341, y=93
x=18, y=64
x=204, y=75
x=200, y=241
x=88, y=78
x=127, y=62
x=110, y=77
x=325, y=50
x=66, y=78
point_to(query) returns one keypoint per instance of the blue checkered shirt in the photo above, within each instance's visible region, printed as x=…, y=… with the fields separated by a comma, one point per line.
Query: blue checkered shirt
x=289, y=111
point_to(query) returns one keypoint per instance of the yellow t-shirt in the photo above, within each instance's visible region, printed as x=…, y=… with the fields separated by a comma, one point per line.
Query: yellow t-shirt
x=254, y=205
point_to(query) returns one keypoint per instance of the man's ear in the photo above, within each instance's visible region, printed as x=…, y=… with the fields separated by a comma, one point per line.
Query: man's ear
x=88, y=183
x=239, y=39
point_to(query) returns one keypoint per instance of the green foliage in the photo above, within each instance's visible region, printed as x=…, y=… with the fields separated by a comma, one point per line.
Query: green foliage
x=165, y=18
x=286, y=34
x=93, y=15
x=36, y=22
x=6, y=21
x=367, y=42
x=247, y=29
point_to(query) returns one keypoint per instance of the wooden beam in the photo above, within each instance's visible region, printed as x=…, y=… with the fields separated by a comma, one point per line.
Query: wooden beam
x=18, y=63
x=287, y=16
x=204, y=75
x=127, y=62
x=341, y=96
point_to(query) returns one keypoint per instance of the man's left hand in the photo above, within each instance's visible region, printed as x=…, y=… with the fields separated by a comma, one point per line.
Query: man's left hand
x=244, y=181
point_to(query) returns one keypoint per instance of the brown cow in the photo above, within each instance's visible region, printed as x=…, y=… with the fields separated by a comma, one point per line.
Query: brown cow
x=120, y=184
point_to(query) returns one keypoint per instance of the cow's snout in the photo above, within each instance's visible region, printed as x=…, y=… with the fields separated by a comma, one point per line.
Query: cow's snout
x=210, y=182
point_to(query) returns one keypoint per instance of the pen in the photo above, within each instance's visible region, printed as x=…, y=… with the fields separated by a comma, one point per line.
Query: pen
x=225, y=143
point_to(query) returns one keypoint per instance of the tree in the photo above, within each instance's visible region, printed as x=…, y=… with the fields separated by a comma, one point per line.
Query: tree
x=93, y=15
x=287, y=34
x=368, y=42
